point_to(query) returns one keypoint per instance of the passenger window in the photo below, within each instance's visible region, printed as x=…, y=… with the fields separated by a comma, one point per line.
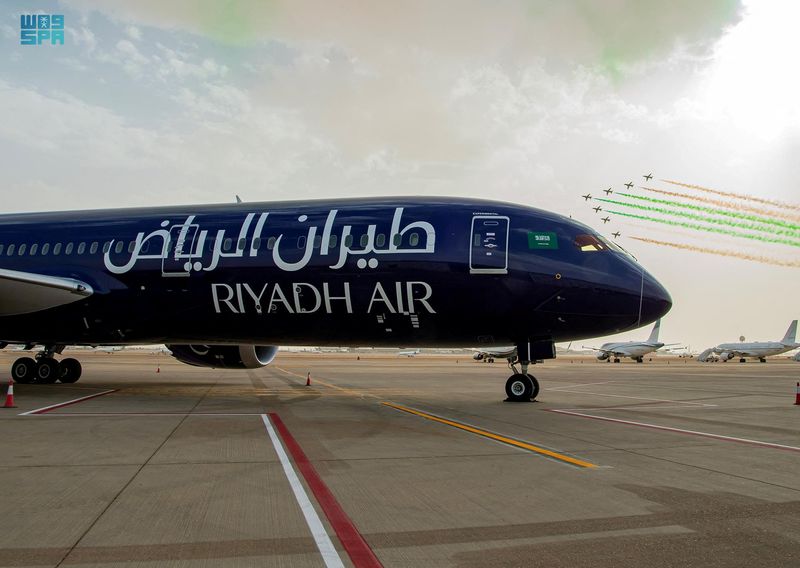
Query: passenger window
x=301, y=241
x=120, y=246
x=317, y=242
x=68, y=248
x=106, y=246
x=589, y=243
x=57, y=249
x=256, y=243
x=380, y=240
x=131, y=246
x=396, y=239
x=364, y=240
x=146, y=247
x=333, y=241
x=81, y=248
x=242, y=243
x=226, y=245
x=93, y=248
x=34, y=249
x=10, y=251
x=45, y=249
x=348, y=241
x=413, y=240
x=271, y=243
x=22, y=249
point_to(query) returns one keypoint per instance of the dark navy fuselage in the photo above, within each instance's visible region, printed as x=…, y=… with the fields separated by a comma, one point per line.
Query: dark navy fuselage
x=359, y=272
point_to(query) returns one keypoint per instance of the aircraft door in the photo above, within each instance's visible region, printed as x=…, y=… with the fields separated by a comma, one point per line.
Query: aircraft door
x=488, y=253
x=178, y=258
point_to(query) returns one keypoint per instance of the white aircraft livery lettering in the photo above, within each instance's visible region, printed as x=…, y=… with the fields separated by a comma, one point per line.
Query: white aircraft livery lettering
x=184, y=248
x=305, y=298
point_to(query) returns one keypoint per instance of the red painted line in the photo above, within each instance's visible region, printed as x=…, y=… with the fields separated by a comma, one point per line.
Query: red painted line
x=746, y=441
x=354, y=544
x=47, y=409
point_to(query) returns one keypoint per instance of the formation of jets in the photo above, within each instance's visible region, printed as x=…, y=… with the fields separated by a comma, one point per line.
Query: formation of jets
x=629, y=184
x=608, y=192
x=616, y=234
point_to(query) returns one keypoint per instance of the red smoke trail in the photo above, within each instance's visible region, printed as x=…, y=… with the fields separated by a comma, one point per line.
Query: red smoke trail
x=736, y=195
x=728, y=253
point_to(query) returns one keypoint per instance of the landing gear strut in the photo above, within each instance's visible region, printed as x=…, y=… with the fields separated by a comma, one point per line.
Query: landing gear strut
x=45, y=369
x=522, y=386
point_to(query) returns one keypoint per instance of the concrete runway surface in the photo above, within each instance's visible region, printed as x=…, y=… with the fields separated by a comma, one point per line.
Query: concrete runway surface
x=666, y=463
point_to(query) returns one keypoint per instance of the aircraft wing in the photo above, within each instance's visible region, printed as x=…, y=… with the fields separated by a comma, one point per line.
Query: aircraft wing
x=27, y=292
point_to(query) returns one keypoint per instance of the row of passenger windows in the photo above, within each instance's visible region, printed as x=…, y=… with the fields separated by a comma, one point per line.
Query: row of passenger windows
x=227, y=245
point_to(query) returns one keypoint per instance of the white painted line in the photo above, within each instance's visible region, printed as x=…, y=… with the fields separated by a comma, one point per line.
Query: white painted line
x=688, y=403
x=324, y=544
x=45, y=409
x=140, y=414
x=682, y=431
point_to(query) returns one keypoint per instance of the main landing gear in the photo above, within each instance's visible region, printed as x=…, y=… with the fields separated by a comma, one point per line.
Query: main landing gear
x=521, y=387
x=45, y=369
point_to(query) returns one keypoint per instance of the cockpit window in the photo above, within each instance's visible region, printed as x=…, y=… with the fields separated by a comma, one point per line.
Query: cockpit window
x=616, y=247
x=589, y=243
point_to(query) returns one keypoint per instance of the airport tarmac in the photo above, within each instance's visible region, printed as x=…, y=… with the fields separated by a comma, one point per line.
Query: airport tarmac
x=666, y=463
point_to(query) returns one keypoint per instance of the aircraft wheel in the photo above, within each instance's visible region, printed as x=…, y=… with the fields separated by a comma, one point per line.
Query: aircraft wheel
x=639, y=360
x=763, y=360
x=616, y=360
x=742, y=360
x=535, y=387
x=46, y=371
x=69, y=370
x=519, y=387
x=22, y=371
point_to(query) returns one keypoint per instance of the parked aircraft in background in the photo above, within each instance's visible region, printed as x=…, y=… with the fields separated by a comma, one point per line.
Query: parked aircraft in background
x=489, y=355
x=755, y=350
x=636, y=350
x=409, y=353
x=223, y=285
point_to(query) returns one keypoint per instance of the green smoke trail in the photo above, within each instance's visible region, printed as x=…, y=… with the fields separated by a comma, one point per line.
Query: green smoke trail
x=718, y=230
x=725, y=222
x=713, y=211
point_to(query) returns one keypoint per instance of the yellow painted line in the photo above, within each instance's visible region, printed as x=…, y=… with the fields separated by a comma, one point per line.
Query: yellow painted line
x=493, y=436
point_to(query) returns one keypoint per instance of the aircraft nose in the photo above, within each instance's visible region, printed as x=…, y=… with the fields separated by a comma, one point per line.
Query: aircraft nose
x=656, y=301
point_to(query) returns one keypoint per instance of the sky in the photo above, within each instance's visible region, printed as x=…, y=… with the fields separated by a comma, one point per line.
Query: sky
x=532, y=102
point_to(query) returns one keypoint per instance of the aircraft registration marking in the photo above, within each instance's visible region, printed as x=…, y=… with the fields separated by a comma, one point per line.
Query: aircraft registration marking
x=493, y=436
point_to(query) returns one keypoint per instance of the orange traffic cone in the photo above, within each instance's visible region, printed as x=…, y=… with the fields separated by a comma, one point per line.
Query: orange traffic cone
x=10, y=396
x=797, y=395
x=308, y=379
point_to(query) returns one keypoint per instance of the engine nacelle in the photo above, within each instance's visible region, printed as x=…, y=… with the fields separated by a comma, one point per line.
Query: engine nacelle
x=225, y=356
x=726, y=356
x=602, y=356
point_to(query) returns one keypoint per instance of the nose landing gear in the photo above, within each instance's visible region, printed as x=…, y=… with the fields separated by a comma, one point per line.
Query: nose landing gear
x=45, y=369
x=522, y=386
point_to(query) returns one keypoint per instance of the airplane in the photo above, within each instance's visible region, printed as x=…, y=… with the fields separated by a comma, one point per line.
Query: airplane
x=409, y=353
x=755, y=350
x=608, y=191
x=488, y=355
x=636, y=350
x=587, y=197
x=605, y=219
x=629, y=184
x=797, y=356
x=223, y=285
x=616, y=234
x=648, y=177
x=597, y=209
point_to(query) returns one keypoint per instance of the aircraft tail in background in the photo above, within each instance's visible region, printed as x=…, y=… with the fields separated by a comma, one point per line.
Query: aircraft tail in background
x=791, y=334
x=654, y=334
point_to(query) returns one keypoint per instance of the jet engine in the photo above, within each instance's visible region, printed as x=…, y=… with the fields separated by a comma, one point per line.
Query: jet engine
x=726, y=356
x=225, y=356
x=602, y=356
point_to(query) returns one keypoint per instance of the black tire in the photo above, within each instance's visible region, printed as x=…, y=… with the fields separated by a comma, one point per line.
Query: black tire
x=519, y=387
x=69, y=370
x=23, y=370
x=535, y=387
x=742, y=360
x=46, y=371
x=616, y=360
